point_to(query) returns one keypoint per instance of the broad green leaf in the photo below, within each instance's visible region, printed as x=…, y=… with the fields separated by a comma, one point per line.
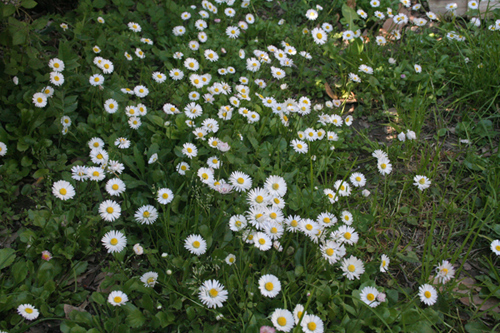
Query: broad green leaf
x=135, y=318
x=28, y=3
x=7, y=257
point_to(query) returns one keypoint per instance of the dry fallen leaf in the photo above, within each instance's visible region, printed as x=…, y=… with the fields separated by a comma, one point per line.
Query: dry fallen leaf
x=70, y=308
x=329, y=91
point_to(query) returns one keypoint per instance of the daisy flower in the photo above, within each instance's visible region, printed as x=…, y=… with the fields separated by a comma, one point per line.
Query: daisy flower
x=212, y=294
x=111, y=106
x=141, y=91
x=495, y=247
x=347, y=234
x=140, y=53
x=56, y=78
x=312, y=14
x=138, y=249
x=40, y=100
x=61, y=189
x=269, y=285
x=237, y=223
x=319, y=36
x=358, y=179
x=343, y=188
x=276, y=185
x=352, y=268
x=79, y=173
x=428, y=294
x=189, y=150
x=117, y=298
x=182, y=168
x=277, y=73
x=312, y=324
x=384, y=166
x=354, y=78
x=28, y=311
x=165, y=196
x=384, y=263
x=369, y=296
x=149, y=279
x=96, y=80
x=418, y=68
x=110, y=210
x=176, y=74
x=282, y=320
x=159, y=77
x=135, y=27
x=114, y=241
x=445, y=272
x=191, y=64
x=299, y=146
x=230, y=259
x=346, y=217
x=195, y=244
x=262, y=241
x=332, y=251
x=57, y=65
x=298, y=312
x=115, y=186
x=422, y=182
x=232, y=32
x=240, y=181
x=146, y=214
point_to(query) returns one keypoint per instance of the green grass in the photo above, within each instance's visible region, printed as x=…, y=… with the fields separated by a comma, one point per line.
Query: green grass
x=454, y=220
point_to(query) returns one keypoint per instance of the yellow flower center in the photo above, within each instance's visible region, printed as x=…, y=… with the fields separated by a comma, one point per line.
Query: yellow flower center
x=237, y=223
x=141, y=90
x=294, y=223
x=106, y=66
x=299, y=145
x=113, y=241
x=183, y=168
x=273, y=215
x=262, y=241
x=96, y=79
x=196, y=244
x=56, y=78
x=346, y=217
x=213, y=293
x=422, y=181
x=110, y=210
x=117, y=299
x=347, y=235
x=311, y=326
x=329, y=252
x=427, y=294
x=330, y=195
x=204, y=176
x=299, y=314
x=281, y=321
x=231, y=259
x=445, y=271
x=191, y=64
x=29, y=310
x=189, y=150
x=164, y=195
x=358, y=178
x=240, y=180
x=115, y=187
x=342, y=188
x=151, y=280
x=39, y=100
x=351, y=268
x=497, y=247
x=383, y=166
x=319, y=35
x=95, y=174
x=66, y=121
x=370, y=297
x=99, y=156
x=326, y=220
x=269, y=286
x=309, y=227
x=274, y=230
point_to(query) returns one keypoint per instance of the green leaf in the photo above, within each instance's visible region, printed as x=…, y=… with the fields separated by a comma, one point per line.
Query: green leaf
x=135, y=318
x=99, y=3
x=8, y=10
x=164, y=319
x=20, y=270
x=41, y=173
x=7, y=257
x=98, y=298
x=477, y=327
x=28, y=3
x=410, y=257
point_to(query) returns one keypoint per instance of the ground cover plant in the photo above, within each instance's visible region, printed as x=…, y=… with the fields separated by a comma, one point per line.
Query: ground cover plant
x=295, y=166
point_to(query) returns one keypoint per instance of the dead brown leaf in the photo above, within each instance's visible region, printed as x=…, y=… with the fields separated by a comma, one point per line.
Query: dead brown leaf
x=70, y=308
x=329, y=91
